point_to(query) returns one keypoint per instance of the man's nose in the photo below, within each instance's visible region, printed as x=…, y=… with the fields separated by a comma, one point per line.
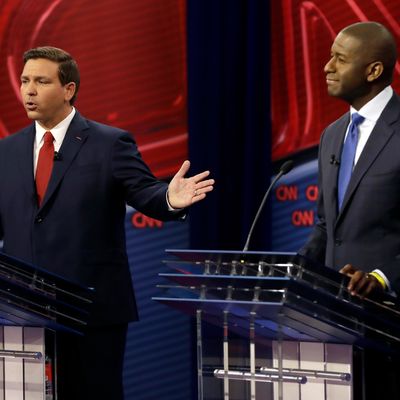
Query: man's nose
x=329, y=66
x=30, y=88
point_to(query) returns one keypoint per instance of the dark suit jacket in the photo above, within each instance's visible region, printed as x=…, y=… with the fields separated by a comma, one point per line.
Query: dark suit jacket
x=78, y=232
x=366, y=231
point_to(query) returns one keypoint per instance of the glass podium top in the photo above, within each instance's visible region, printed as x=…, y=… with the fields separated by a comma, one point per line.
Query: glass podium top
x=30, y=296
x=287, y=295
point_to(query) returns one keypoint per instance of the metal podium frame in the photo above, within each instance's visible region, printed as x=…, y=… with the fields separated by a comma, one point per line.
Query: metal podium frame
x=302, y=309
x=34, y=305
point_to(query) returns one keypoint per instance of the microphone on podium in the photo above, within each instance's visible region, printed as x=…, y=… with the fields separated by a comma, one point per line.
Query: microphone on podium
x=284, y=169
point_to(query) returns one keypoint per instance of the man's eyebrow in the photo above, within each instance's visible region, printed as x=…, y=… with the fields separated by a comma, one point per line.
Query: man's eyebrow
x=35, y=77
x=338, y=53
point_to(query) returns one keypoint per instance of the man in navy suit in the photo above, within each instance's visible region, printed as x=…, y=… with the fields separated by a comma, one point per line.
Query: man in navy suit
x=75, y=228
x=358, y=228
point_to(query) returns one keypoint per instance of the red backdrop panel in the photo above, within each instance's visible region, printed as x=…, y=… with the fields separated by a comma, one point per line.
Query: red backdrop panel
x=132, y=58
x=302, y=35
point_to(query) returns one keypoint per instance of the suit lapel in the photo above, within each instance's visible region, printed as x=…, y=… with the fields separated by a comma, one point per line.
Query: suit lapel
x=74, y=139
x=331, y=178
x=379, y=137
x=25, y=161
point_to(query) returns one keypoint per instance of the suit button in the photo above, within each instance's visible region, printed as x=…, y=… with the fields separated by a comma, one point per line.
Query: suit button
x=338, y=242
x=39, y=219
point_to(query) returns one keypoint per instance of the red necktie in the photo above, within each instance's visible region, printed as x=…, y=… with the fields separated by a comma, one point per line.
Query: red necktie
x=44, y=166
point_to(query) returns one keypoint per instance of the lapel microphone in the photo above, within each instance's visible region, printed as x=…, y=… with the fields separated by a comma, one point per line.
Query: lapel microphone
x=334, y=160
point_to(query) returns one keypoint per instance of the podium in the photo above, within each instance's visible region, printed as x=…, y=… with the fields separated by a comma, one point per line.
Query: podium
x=278, y=325
x=34, y=304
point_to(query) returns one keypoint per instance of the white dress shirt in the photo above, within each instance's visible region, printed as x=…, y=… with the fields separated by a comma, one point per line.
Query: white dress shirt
x=371, y=113
x=58, y=133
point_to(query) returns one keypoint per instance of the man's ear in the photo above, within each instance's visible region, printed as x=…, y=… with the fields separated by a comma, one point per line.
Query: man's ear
x=374, y=70
x=69, y=90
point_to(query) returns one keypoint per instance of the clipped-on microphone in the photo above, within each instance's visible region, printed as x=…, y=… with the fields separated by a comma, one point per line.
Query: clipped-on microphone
x=284, y=169
x=334, y=160
x=57, y=156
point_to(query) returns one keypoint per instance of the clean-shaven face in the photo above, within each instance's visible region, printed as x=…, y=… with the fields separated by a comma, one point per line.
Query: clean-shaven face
x=45, y=99
x=346, y=72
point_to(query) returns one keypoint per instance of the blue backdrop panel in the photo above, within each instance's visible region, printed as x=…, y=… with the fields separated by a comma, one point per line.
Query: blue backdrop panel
x=294, y=207
x=158, y=359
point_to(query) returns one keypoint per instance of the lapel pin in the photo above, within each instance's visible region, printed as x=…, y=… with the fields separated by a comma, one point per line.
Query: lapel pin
x=78, y=137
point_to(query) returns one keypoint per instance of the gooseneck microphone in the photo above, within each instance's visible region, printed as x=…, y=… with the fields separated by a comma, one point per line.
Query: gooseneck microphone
x=284, y=169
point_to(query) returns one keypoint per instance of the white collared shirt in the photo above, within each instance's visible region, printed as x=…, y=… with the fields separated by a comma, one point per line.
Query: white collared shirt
x=371, y=113
x=58, y=133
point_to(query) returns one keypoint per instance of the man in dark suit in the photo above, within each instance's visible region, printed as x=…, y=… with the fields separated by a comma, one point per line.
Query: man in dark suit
x=358, y=228
x=66, y=213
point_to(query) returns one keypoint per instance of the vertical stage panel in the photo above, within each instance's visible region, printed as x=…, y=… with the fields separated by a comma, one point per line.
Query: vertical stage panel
x=339, y=358
x=22, y=378
x=13, y=367
x=34, y=382
x=312, y=357
x=288, y=352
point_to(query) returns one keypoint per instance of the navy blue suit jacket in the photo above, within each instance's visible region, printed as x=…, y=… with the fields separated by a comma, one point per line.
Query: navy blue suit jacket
x=78, y=232
x=366, y=231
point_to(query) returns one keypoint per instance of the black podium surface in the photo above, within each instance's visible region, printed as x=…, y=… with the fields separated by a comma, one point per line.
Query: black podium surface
x=288, y=296
x=30, y=296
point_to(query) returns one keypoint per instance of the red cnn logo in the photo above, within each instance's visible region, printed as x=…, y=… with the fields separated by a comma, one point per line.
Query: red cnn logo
x=286, y=193
x=141, y=221
x=312, y=192
x=303, y=218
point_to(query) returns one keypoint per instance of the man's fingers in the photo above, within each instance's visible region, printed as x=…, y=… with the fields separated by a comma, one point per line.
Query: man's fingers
x=198, y=198
x=364, y=285
x=348, y=270
x=205, y=184
x=183, y=169
x=203, y=190
x=199, y=177
x=359, y=282
x=354, y=281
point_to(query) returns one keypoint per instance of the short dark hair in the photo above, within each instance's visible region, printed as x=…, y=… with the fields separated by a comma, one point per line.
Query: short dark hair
x=67, y=67
x=379, y=42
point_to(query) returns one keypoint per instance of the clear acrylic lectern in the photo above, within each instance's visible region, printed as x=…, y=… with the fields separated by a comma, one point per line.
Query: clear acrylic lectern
x=278, y=326
x=34, y=304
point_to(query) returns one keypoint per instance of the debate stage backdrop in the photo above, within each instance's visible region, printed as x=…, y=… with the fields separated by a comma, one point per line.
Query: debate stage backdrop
x=133, y=60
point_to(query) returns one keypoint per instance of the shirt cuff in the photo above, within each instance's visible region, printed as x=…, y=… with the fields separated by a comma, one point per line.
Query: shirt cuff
x=383, y=276
x=170, y=208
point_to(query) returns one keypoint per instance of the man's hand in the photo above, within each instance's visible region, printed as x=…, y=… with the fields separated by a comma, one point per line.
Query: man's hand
x=361, y=283
x=183, y=192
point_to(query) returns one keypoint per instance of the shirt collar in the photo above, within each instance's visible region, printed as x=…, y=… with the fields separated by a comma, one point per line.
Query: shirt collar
x=373, y=109
x=58, y=131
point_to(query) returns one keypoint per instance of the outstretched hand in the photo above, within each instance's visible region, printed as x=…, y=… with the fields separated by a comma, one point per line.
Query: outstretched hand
x=361, y=283
x=183, y=192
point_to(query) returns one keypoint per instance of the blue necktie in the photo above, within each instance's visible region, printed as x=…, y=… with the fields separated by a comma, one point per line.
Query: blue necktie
x=347, y=158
